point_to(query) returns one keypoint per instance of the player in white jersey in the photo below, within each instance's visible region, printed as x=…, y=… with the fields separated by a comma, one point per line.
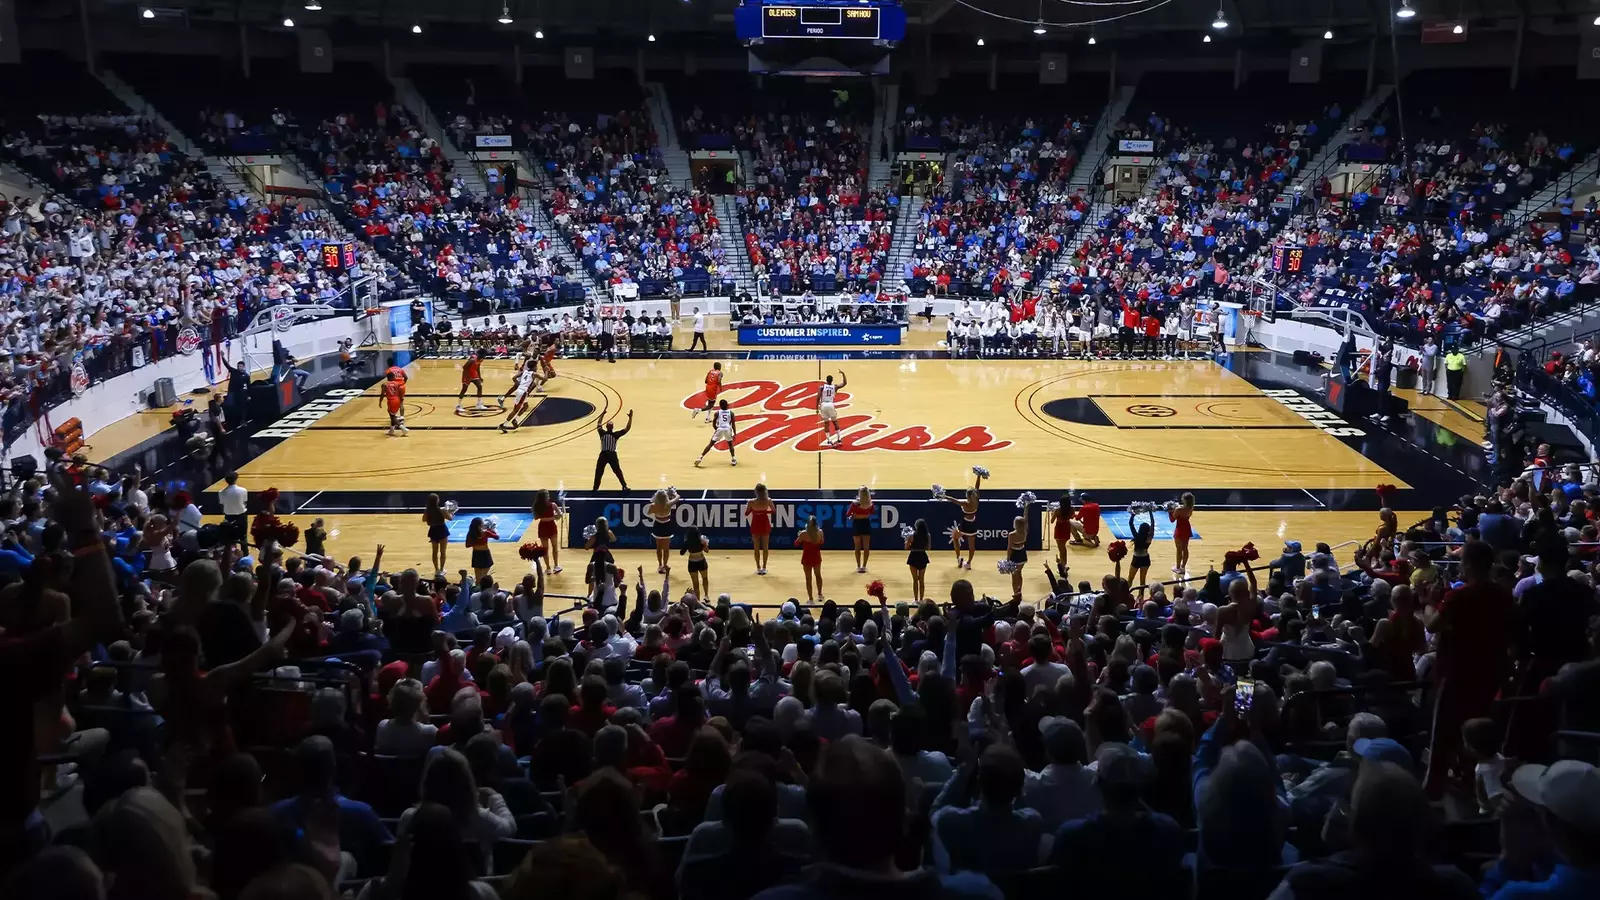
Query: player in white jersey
x=723, y=430
x=529, y=382
x=826, y=409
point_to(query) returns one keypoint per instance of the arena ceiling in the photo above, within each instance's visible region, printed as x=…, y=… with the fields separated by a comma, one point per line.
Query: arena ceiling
x=709, y=19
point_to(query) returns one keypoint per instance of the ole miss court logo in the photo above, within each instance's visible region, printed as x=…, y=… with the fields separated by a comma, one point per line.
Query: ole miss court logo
x=771, y=415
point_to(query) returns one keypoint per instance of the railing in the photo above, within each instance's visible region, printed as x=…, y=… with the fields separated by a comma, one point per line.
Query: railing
x=1586, y=170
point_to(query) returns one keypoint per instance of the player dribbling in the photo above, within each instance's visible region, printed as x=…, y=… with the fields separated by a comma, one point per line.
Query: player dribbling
x=471, y=376
x=713, y=388
x=528, y=382
x=724, y=431
x=826, y=409
x=392, y=397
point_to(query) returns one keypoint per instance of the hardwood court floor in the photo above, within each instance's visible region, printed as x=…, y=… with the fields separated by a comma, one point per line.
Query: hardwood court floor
x=405, y=545
x=1165, y=426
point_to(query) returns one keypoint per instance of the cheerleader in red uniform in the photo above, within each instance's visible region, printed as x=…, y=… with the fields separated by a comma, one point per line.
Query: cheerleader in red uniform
x=810, y=543
x=1061, y=520
x=759, y=509
x=546, y=513
x=1182, y=530
x=860, y=516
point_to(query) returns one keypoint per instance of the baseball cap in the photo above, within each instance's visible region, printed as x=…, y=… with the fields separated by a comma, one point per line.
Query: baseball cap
x=1063, y=738
x=1291, y=546
x=1384, y=750
x=1569, y=789
x=1119, y=765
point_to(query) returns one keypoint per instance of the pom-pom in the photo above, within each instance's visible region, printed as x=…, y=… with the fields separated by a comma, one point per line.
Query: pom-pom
x=672, y=494
x=1025, y=498
x=954, y=533
x=180, y=500
x=491, y=523
x=269, y=497
x=1140, y=507
x=1053, y=506
x=589, y=532
x=268, y=528
x=1117, y=550
x=451, y=507
x=531, y=550
x=1171, y=505
x=875, y=589
x=906, y=531
x=1250, y=552
x=1385, y=492
x=1005, y=566
x=980, y=471
x=288, y=534
x=938, y=492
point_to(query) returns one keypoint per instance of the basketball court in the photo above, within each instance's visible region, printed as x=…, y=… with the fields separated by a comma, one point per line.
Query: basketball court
x=1246, y=434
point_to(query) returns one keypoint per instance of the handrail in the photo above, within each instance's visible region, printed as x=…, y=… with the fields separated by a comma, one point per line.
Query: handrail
x=1564, y=184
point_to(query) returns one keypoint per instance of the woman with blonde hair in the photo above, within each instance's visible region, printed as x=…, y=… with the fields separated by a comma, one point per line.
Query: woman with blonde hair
x=1017, y=551
x=810, y=543
x=860, y=516
x=437, y=518
x=406, y=732
x=660, y=514
x=759, y=510
x=480, y=811
x=1182, y=530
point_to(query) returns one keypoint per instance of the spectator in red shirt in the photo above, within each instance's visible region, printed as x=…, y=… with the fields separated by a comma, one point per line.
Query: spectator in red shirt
x=1472, y=623
x=704, y=769
x=593, y=710
x=674, y=733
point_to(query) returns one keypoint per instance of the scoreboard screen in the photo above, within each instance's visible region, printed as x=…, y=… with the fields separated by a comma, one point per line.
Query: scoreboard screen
x=857, y=22
x=879, y=20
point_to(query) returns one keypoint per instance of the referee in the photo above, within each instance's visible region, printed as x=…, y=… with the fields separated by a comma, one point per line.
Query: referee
x=608, y=340
x=608, y=451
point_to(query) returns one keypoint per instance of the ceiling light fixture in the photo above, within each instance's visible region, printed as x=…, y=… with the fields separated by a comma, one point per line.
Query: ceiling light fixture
x=538, y=33
x=1038, y=27
x=1207, y=39
x=148, y=13
x=980, y=42
x=651, y=38
x=1091, y=40
x=288, y=22
x=314, y=5
x=1405, y=11
x=1459, y=29
x=1328, y=35
x=416, y=29
x=505, y=14
x=1220, y=23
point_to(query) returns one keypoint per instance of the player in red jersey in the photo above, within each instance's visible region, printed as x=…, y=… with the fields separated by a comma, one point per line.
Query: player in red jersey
x=547, y=360
x=713, y=388
x=471, y=376
x=392, y=397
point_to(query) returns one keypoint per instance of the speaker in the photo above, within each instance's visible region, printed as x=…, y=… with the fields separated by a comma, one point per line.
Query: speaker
x=1303, y=358
x=24, y=467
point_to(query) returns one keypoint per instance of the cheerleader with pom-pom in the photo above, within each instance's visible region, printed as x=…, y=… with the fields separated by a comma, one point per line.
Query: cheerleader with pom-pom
x=1237, y=616
x=1017, y=551
x=479, y=534
x=1143, y=534
x=660, y=512
x=437, y=517
x=546, y=512
x=860, y=516
x=1182, y=530
x=1064, y=528
x=967, y=525
x=917, y=543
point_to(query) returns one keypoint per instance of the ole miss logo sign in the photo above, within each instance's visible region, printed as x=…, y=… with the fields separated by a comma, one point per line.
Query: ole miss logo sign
x=771, y=415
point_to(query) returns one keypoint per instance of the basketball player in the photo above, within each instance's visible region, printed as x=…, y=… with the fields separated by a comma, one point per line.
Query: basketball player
x=547, y=361
x=826, y=409
x=724, y=431
x=525, y=362
x=471, y=376
x=713, y=388
x=526, y=380
x=392, y=397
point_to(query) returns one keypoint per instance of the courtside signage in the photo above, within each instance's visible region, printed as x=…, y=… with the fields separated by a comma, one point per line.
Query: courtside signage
x=820, y=335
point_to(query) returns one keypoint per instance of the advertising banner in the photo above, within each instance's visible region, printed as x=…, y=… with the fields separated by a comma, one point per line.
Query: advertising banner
x=1136, y=146
x=820, y=335
x=492, y=141
x=725, y=526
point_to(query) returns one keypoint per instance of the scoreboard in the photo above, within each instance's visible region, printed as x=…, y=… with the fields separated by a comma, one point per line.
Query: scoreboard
x=339, y=257
x=1287, y=259
x=820, y=20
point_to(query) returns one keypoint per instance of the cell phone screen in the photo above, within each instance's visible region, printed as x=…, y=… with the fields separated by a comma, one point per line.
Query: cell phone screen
x=1244, y=693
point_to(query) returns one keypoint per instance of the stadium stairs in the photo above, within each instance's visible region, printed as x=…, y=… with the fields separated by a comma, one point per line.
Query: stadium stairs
x=547, y=225
x=1095, y=154
x=407, y=95
x=884, y=119
x=225, y=174
x=1583, y=178
x=906, y=226
x=1328, y=156
x=735, y=256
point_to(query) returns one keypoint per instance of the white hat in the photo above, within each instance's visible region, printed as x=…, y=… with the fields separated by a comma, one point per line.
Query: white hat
x=1569, y=789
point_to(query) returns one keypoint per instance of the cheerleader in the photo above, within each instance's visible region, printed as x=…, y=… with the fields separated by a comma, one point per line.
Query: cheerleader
x=917, y=560
x=810, y=543
x=1064, y=530
x=1017, y=552
x=1182, y=530
x=479, y=535
x=437, y=518
x=760, y=510
x=1142, y=536
x=860, y=516
x=967, y=525
x=546, y=513
x=598, y=573
x=660, y=514
x=694, y=546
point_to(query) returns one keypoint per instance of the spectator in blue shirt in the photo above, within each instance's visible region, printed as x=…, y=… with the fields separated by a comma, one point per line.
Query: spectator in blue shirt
x=1125, y=849
x=994, y=835
x=360, y=831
